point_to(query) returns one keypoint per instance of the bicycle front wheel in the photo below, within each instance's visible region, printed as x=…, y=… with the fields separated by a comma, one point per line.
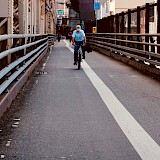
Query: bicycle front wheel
x=79, y=61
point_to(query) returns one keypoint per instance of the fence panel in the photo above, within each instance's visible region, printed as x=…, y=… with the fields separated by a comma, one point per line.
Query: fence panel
x=24, y=51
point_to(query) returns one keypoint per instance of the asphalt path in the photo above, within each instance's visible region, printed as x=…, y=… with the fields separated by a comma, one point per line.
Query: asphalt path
x=105, y=111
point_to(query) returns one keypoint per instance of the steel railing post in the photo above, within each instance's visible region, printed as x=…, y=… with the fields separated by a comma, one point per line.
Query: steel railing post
x=147, y=27
x=158, y=26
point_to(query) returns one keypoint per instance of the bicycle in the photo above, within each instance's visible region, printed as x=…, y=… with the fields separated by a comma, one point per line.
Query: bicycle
x=79, y=56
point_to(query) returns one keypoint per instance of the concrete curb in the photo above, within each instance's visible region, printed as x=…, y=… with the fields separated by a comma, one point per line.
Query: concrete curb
x=147, y=70
x=7, y=98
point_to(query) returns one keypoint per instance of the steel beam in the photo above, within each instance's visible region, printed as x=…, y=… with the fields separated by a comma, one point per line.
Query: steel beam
x=21, y=16
x=10, y=27
x=158, y=24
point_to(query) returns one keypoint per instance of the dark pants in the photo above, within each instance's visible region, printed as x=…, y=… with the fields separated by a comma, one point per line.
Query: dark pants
x=76, y=47
x=59, y=38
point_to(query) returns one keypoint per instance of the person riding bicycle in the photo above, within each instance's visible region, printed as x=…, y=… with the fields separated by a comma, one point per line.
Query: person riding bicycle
x=78, y=38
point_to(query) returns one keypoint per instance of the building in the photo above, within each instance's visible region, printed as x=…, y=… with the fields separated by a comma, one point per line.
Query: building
x=27, y=16
x=86, y=10
x=111, y=7
x=51, y=16
x=80, y=12
x=62, y=12
x=117, y=6
x=61, y=8
x=104, y=9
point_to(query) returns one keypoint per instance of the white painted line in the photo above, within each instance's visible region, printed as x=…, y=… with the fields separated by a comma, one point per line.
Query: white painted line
x=44, y=64
x=2, y=156
x=17, y=119
x=143, y=143
x=16, y=123
x=8, y=143
x=15, y=126
x=66, y=42
x=36, y=81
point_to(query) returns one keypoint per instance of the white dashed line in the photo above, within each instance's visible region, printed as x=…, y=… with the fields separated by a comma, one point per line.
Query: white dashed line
x=36, y=81
x=2, y=156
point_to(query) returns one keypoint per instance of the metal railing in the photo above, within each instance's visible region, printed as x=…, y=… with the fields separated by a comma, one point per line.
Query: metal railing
x=25, y=49
x=132, y=46
x=143, y=19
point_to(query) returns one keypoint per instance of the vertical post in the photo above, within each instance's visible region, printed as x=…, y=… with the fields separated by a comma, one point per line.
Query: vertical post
x=107, y=25
x=10, y=27
x=117, y=23
x=129, y=21
x=42, y=22
x=35, y=16
x=122, y=23
x=31, y=18
x=147, y=26
x=117, y=27
x=26, y=6
x=139, y=38
x=112, y=24
x=112, y=27
x=96, y=23
x=21, y=16
x=64, y=8
x=158, y=25
x=45, y=15
x=138, y=19
x=129, y=25
x=38, y=15
x=26, y=16
x=122, y=28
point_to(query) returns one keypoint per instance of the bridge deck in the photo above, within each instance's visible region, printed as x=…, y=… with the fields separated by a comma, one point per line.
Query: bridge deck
x=72, y=114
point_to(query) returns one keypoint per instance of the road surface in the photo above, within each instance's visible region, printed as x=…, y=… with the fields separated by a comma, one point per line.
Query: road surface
x=105, y=111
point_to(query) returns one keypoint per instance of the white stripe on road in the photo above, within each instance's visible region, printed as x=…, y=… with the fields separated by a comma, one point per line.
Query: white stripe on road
x=143, y=143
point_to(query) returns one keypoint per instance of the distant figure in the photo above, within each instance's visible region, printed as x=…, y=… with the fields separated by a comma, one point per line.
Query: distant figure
x=151, y=39
x=59, y=37
x=152, y=47
x=70, y=36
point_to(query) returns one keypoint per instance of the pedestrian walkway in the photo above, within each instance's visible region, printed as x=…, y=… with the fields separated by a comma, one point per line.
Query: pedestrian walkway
x=105, y=111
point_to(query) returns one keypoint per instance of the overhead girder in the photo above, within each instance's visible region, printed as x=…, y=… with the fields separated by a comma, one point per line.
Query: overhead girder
x=85, y=8
x=75, y=5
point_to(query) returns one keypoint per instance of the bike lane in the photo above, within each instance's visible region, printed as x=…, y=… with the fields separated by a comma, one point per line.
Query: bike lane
x=63, y=117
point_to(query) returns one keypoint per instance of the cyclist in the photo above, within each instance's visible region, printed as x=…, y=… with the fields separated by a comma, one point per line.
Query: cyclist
x=78, y=37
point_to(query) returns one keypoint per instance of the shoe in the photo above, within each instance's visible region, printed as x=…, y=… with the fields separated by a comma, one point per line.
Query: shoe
x=75, y=63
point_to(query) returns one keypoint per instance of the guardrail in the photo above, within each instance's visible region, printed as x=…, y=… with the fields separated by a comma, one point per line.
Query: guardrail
x=132, y=46
x=19, y=55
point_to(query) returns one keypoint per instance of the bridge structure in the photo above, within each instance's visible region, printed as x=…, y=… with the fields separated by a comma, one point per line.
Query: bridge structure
x=28, y=16
x=107, y=110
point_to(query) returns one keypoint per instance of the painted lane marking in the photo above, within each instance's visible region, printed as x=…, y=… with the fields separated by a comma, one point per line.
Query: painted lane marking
x=143, y=143
x=2, y=156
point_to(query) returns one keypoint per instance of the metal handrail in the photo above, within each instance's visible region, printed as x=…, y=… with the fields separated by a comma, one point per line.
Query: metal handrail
x=126, y=50
x=126, y=34
x=13, y=50
x=6, y=76
x=10, y=79
x=129, y=54
x=123, y=52
x=127, y=41
x=17, y=62
x=11, y=36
